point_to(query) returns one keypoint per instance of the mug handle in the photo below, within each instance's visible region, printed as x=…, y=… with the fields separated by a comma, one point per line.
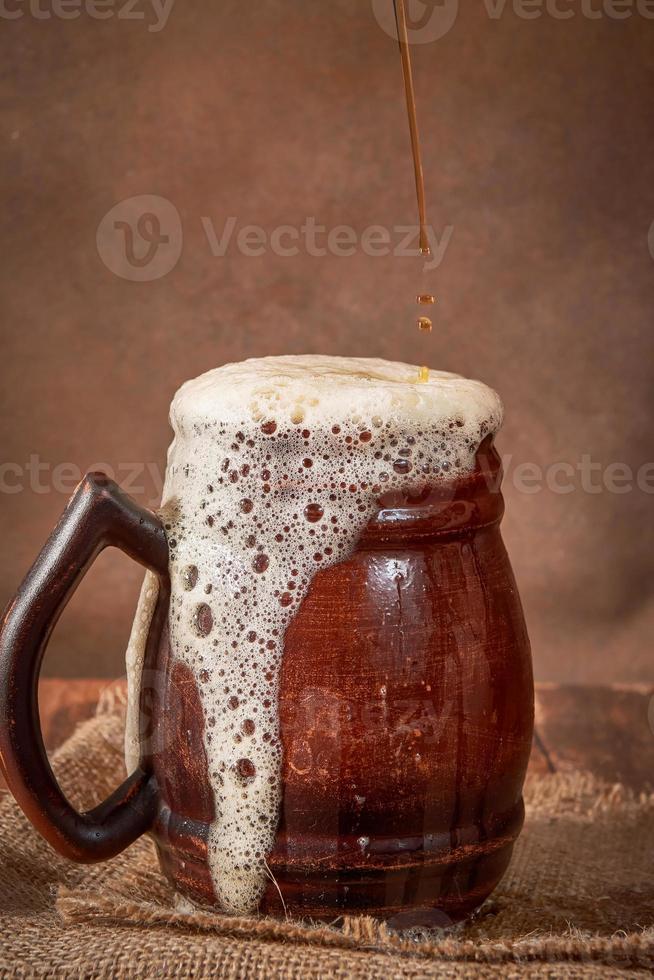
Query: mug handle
x=98, y=515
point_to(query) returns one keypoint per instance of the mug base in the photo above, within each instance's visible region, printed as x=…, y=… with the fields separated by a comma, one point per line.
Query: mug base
x=433, y=892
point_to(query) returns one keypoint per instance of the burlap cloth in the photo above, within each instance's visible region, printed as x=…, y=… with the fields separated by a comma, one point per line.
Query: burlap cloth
x=578, y=900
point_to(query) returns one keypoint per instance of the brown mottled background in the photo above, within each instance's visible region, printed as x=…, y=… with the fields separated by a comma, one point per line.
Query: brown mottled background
x=539, y=150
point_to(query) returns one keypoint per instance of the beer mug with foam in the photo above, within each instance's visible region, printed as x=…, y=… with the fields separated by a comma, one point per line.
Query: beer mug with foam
x=330, y=699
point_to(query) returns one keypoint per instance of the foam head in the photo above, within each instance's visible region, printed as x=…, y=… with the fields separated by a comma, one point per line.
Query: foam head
x=319, y=390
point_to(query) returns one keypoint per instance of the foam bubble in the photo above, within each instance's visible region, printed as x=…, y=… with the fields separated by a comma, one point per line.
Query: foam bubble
x=276, y=468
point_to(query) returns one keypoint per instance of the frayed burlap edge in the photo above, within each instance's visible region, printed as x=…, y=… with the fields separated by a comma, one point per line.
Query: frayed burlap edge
x=357, y=933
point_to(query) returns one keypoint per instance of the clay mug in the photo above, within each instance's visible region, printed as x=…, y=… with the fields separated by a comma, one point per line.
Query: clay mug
x=405, y=709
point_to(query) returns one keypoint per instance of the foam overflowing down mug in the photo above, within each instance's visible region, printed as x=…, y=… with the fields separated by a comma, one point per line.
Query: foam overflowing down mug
x=330, y=698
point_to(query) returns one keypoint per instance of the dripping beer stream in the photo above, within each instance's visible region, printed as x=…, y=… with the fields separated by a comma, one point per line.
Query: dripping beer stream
x=423, y=299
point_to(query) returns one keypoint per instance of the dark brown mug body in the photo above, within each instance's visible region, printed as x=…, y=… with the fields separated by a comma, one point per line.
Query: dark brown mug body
x=406, y=716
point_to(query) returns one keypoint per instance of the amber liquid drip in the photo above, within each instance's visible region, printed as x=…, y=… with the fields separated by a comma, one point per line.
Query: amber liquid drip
x=405, y=52
x=424, y=299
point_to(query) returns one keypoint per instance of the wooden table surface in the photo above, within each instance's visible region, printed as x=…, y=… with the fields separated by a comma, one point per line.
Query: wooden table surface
x=608, y=731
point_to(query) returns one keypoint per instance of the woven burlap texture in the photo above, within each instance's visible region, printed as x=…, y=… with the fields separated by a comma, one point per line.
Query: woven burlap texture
x=578, y=900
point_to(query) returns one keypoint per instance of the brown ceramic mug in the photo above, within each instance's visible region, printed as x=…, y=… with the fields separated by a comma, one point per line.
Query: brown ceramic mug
x=405, y=711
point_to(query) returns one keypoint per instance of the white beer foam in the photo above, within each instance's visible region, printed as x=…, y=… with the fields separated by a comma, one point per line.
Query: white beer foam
x=275, y=470
x=134, y=666
x=309, y=388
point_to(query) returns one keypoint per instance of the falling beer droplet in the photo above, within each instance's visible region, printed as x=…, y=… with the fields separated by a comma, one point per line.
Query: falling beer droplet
x=402, y=23
x=423, y=375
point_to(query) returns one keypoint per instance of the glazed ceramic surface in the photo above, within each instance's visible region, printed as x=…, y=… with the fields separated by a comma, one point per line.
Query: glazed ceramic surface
x=406, y=713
